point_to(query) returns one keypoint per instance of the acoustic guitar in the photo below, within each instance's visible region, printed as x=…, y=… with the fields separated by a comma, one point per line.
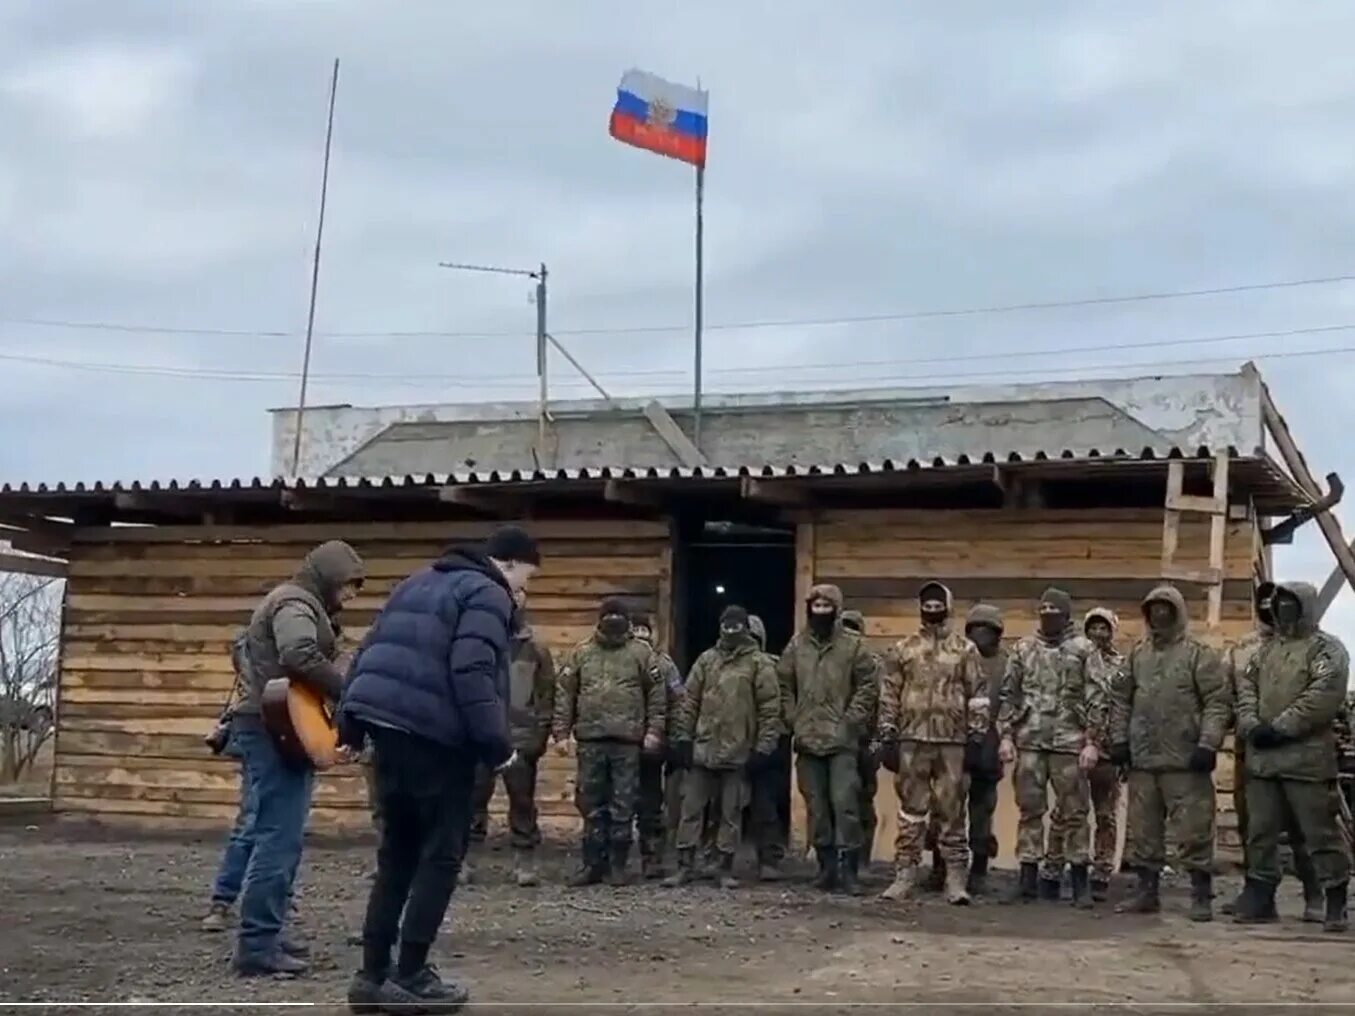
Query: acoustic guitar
x=301, y=722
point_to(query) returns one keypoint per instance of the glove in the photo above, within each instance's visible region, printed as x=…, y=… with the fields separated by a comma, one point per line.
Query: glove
x=1202, y=759
x=1119, y=753
x=508, y=763
x=973, y=756
x=889, y=751
x=682, y=754
x=1266, y=736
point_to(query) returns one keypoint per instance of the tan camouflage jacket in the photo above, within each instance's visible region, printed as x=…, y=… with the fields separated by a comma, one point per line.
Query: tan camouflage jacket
x=934, y=689
x=1050, y=698
x=610, y=692
x=830, y=691
x=1103, y=669
x=731, y=707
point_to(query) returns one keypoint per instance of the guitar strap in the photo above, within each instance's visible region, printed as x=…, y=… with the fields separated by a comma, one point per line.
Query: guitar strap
x=237, y=654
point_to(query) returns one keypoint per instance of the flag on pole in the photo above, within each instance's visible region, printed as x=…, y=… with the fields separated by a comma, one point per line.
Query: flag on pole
x=660, y=116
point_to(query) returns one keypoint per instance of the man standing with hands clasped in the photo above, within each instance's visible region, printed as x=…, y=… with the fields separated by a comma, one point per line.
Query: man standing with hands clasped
x=429, y=687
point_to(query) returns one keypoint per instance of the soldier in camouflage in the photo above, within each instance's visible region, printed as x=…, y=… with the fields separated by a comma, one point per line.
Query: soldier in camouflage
x=770, y=785
x=933, y=707
x=1288, y=697
x=728, y=725
x=1103, y=781
x=983, y=626
x=1049, y=723
x=1169, y=715
x=610, y=699
x=868, y=764
x=829, y=680
x=660, y=779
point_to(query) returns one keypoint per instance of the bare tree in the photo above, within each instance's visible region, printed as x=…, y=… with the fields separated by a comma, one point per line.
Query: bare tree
x=30, y=631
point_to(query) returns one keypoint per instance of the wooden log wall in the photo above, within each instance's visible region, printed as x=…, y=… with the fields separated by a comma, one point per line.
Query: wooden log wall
x=1101, y=557
x=150, y=612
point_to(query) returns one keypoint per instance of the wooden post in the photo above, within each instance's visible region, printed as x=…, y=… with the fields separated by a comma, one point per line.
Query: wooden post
x=1216, y=507
x=804, y=581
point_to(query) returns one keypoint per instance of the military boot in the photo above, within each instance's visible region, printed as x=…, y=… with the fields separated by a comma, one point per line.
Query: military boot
x=1077, y=875
x=848, y=867
x=1256, y=905
x=827, y=877
x=524, y=871
x=1314, y=904
x=685, y=871
x=905, y=879
x=1147, y=898
x=936, y=878
x=769, y=868
x=592, y=869
x=1201, y=896
x=1028, y=882
x=727, y=879
x=1229, y=907
x=616, y=872
x=1100, y=888
x=977, y=884
x=1336, y=920
x=1050, y=888
x=651, y=866
x=957, y=892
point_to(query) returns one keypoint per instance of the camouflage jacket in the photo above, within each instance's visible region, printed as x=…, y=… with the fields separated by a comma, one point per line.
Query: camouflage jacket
x=1170, y=696
x=1235, y=661
x=531, y=692
x=1050, y=701
x=934, y=689
x=672, y=691
x=1107, y=664
x=1345, y=736
x=829, y=691
x=1297, y=684
x=731, y=707
x=610, y=692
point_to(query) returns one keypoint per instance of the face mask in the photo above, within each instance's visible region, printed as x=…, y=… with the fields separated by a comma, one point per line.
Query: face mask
x=1161, y=617
x=1287, y=612
x=1052, y=622
x=985, y=639
x=614, y=628
x=934, y=618
x=1265, y=611
x=822, y=624
x=733, y=636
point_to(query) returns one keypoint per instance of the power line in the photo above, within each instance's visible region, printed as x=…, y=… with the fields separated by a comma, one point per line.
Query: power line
x=915, y=315
x=462, y=380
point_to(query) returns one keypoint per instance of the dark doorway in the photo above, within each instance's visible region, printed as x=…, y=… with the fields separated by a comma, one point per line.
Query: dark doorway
x=722, y=563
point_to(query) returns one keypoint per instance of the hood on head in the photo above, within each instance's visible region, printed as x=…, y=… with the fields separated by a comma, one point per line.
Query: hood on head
x=938, y=587
x=827, y=591
x=986, y=614
x=327, y=568
x=1169, y=594
x=1103, y=614
x=1056, y=597
x=758, y=631
x=854, y=620
x=1306, y=594
x=1264, y=590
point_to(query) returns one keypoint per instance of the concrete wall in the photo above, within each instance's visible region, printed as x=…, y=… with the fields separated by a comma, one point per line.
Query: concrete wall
x=781, y=428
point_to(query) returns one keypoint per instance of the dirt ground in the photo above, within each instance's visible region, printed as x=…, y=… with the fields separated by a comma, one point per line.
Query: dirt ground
x=95, y=919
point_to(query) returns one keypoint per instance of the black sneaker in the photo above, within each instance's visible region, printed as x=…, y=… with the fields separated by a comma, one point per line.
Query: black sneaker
x=422, y=993
x=274, y=964
x=364, y=993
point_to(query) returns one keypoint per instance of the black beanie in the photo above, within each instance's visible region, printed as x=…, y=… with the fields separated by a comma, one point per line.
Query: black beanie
x=1057, y=599
x=512, y=543
x=734, y=614
x=611, y=606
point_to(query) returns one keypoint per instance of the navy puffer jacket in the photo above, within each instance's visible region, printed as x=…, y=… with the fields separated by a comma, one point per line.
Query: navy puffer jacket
x=435, y=661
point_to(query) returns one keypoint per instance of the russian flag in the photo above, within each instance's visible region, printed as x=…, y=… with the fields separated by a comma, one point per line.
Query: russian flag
x=662, y=117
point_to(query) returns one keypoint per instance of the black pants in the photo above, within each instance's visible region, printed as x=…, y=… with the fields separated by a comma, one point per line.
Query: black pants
x=425, y=796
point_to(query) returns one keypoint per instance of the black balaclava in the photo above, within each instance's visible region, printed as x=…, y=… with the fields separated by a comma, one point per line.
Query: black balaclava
x=985, y=637
x=613, y=621
x=821, y=625
x=734, y=627
x=1265, y=596
x=1287, y=610
x=933, y=591
x=1056, y=608
x=1161, y=616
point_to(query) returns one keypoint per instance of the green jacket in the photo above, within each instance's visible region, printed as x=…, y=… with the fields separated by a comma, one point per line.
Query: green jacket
x=731, y=707
x=531, y=692
x=1050, y=698
x=829, y=691
x=1296, y=682
x=610, y=692
x=1169, y=696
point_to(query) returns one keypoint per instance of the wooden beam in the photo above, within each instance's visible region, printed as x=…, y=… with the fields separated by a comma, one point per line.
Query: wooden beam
x=22, y=564
x=1298, y=467
x=1218, y=531
x=666, y=427
x=787, y=493
x=632, y=493
x=493, y=503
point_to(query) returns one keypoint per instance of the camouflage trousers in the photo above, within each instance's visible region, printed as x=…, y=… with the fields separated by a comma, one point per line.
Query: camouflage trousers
x=1179, y=804
x=1036, y=771
x=868, y=771
x=659, y=805
x=605, y=791
x=1311, y=810
x=770, y=797
x=519, y=784
x=933, y=788
x=726, y=791
x=1303, y=864
x=830, y=785
x=1103, y=785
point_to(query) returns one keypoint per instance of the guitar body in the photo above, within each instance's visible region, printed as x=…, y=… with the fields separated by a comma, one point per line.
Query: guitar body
x=301, y=723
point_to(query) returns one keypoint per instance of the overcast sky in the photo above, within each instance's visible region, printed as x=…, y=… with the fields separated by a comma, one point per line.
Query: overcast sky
x=161, y=165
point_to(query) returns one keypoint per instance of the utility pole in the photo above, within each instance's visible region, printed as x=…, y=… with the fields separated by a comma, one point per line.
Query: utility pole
x=542, y=360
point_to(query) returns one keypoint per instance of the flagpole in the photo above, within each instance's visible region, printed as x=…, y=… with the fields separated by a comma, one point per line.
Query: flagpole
x=700, y=230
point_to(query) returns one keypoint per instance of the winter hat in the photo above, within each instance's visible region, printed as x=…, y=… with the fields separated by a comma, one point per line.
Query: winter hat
x=613, y=606
x=758, y=629
x=984, y=614
x=1057, y=599
x=826, y=591
x=854, y=620
x=734, y=615
x=512, y=543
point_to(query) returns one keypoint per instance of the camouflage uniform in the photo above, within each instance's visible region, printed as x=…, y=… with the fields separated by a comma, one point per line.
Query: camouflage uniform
x=770, y=791
x=829, y=688
x=933, y=700
x=531, y=695
x=731, y=709
x=660, y=798
x=868, y=767
x=610, y=696
x=1292, y=690
x=1051, y=708
x=1171, y=707
x=1103, y=781
x=986, y=773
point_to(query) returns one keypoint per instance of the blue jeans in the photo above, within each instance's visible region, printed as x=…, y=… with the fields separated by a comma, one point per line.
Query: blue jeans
x=282, y=798
x=240, y=845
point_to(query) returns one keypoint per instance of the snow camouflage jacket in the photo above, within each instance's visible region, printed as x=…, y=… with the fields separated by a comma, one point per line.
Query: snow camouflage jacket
x=731, y=707
x=1170, y=695
x=1051, y=700
x=610, y=691
x=934, y=689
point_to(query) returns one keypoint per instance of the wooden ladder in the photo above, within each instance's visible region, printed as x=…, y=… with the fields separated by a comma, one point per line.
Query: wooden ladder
x=1216, y=507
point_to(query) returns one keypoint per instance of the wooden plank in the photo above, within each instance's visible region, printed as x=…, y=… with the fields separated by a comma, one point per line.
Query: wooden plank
x=1033, y=567
x=279, y=569
x=666, y=427
x=315, y=533
x=945, y=543
x=412, y=552
x=182, y=747
x=1195, y=503
x=22, y=564
x=1199, y=576
x=1083, y=590
x=1217, y=533
x=374, y=592
x=663, y=613
x=805, y=565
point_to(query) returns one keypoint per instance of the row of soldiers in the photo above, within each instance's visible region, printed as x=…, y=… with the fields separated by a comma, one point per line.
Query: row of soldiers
x=948, y=711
